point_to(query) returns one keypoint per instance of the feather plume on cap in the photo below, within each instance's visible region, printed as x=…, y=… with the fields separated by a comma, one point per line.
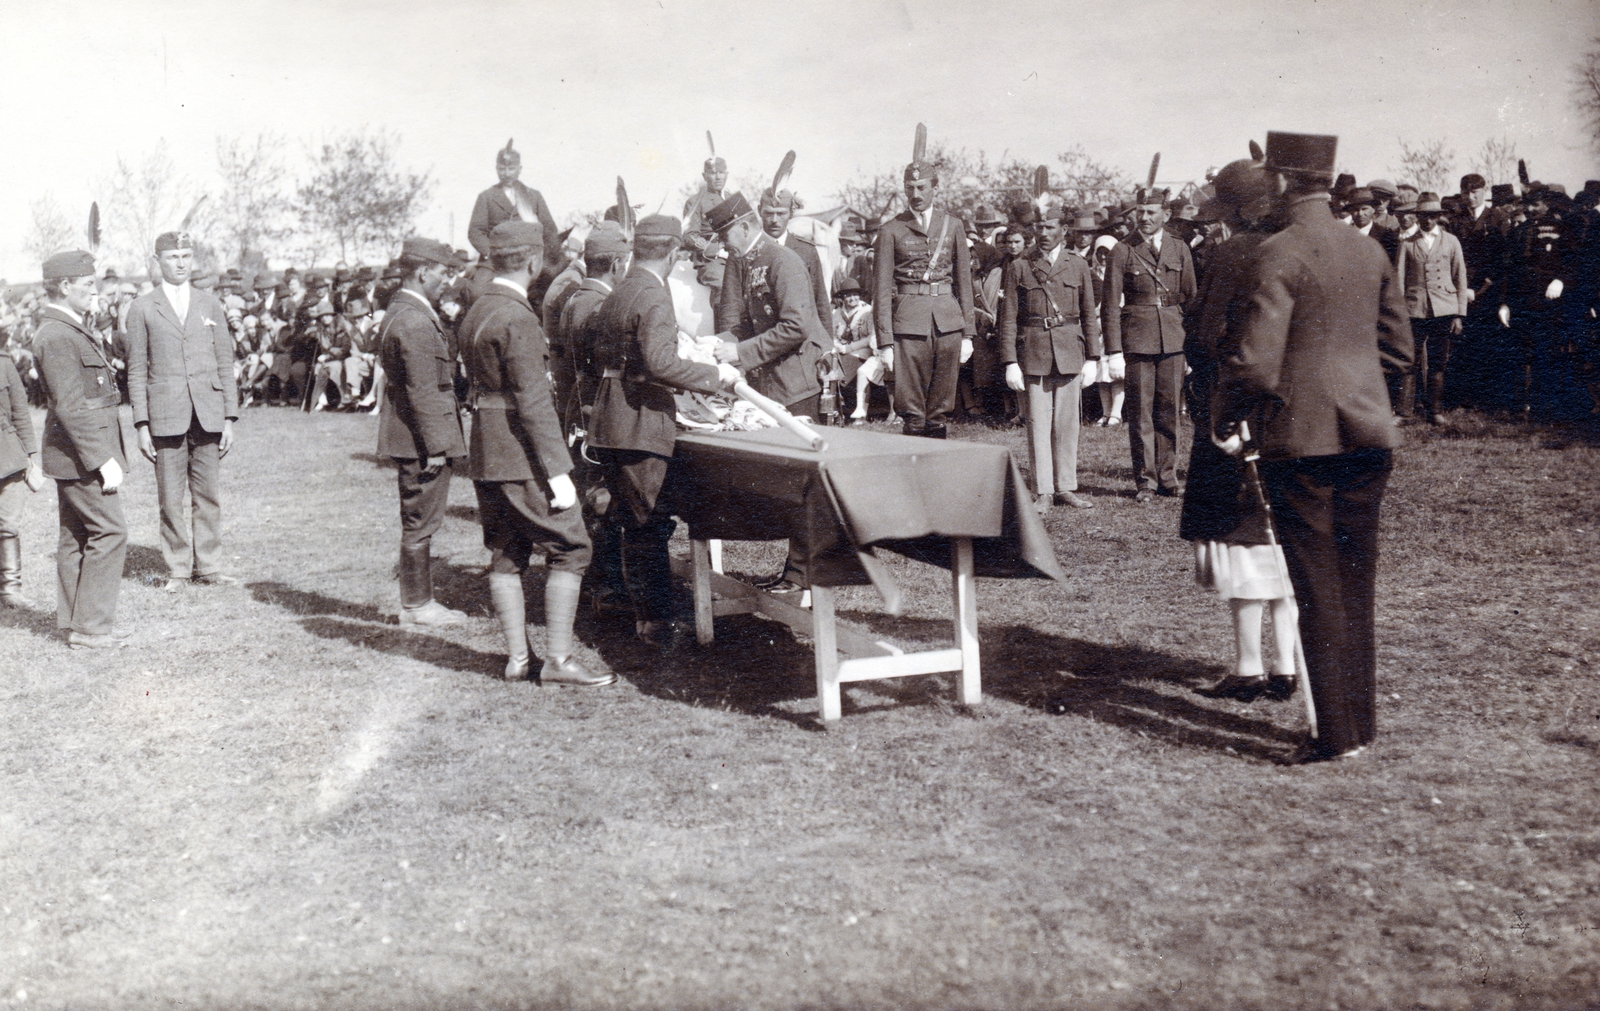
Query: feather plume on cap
x=1155, y=164
x=1522, y=172
x=785, y=170
x=1041, y=188
x=1256, y=154
x=919, y=146
x=194, y=212
x=94, y=227
x=711, y=144
x=507, y=154
x=625, y=215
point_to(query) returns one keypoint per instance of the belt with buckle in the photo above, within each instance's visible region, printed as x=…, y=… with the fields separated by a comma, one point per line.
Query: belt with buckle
x=931, y=288
x=1048, y=322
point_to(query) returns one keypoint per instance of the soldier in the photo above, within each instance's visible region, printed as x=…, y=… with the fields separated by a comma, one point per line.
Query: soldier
x=1147, y=283
x=1475, y=225
x=1538, y=272
x=520, y=467
x=419, y=426
x=700, y=240
x=922, y=298
x=510, y=198
x=83, y=452
x=185, y=401
x=777, y=208
x=1049, y=311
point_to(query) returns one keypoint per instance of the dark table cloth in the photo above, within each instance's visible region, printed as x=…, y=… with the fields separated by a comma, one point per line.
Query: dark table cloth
x=866, y=490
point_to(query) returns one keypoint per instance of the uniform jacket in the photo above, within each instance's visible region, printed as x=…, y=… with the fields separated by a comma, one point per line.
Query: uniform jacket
x=1321, y=318
x=419, y=417
x=579, y=328
x=508, y=365
x=906, y=255
x=1435, y=280
x=695, y=233
x=767, y=304
x=1059, y=294
x=493, y=207
x=1536, y=253
x=819, y=284
x=17, y=439
x=1137, y=278
x=180, y=368
x=82, y=430
x=638, y=335
x=1481, y=242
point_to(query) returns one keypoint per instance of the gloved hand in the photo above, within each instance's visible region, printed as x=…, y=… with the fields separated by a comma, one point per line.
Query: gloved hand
x=966, y=349
x=727, y=375
x=1091, y=372
x=888, y=358
x=1555, y=289
x=1014, y=378
x=564, y=491
x=1116, y=368
x=1233, y=445
x=1505, y=315
x=111, y=474
x=35, y=475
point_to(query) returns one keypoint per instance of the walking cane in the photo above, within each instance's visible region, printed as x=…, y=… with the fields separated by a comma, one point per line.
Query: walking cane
x=1252, y=476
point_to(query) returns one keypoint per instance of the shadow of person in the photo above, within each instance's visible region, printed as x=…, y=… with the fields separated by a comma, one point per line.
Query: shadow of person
x=398, y=641
x=144, y=564
x=304, y=602
x=39, y=619
x=382, y=462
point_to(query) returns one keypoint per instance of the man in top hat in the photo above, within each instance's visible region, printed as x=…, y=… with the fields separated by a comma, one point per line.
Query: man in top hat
x=419, y=426
x=83, y=453
x=923, y=302
x=1434, y=273
x=1148, y=280
x=511, y=198
x=520, y=468
x=1048, y=333
x=634, y=419
x=185, y=400
x=1319, y=317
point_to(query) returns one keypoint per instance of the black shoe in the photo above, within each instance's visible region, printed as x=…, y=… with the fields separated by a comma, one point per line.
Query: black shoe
x=768, y=582
x=1312, y=752
x=1170, y=492
x=1281, y=687
x=1144, y=496
x=1235, y=687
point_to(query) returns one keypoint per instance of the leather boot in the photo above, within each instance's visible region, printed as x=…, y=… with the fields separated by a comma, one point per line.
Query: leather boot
x=416, y=576
x=11, y=573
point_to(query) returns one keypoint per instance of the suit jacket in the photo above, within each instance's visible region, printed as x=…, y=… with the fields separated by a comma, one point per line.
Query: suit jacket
x=579, y=328
x=419, y=417
x=17, y=439
x=1061, y=293
x=508, y=365
x=904, y=255
x=493, y=207
x=1435, y=280
x=1140, y=277
x=82, y=430
x=767, y=306
x=1481, y=241
x=819, y=284
x=1322, y=317
x=178, y=369
x=638, y=337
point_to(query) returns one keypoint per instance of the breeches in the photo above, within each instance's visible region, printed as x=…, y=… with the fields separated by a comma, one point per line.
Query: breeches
x=423, y=500
x=926, y=369
x=89, y=556
x=13, y=496
x=189, y=466
x=516, y=516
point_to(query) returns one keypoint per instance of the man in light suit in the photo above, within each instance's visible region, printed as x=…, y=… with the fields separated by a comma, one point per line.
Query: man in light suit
x=185, y=401
x=1433, y=270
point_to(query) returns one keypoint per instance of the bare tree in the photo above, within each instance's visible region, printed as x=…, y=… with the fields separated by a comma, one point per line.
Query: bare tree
x=250, y=213
x=1085, y=180
x=1586, y=90
x=357, y=198
x=141, y=202
x=1496, y=161
x=52, y=231
x=1429, y=165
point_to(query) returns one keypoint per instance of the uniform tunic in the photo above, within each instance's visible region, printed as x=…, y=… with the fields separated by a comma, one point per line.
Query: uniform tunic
x=768, y=305
x=922, y=300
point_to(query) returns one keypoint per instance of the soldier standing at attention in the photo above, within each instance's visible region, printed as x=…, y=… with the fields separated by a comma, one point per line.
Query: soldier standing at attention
x=1149, y=278
x=511, y=199
x=922, y=298
x=520, y=467
x=83, y=452
x=419, y=426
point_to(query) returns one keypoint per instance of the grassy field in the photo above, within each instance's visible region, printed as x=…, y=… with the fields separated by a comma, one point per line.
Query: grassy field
x=281, y=799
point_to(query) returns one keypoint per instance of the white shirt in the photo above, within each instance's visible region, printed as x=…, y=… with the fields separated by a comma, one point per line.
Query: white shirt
x=1365, y=229
x=1053, y=255
x=922, y=217
x=75, y=317
x=421, y=300
x=1155, y=241
x=652, y=273
x=514, y=286
x=178, y=298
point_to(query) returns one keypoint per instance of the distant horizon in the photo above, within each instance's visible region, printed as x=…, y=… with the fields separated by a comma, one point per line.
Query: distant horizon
x=631, y=88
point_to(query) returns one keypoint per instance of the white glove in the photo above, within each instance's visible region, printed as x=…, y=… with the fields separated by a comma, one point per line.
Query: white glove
x=888, y=358
x=1115, y=367
x=1091, y=372
x=111, y=474
x=1505, y=315
x=565, y=492
x=1554, y=291
x=727, y=375
x=1014, y=378
x=1233, y=445
x=966, y=349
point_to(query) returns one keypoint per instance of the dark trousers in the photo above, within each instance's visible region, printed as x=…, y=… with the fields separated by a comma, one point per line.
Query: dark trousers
x=1155, y=391
x=925, y=373
x=89, y=557
x=1326, y=511
x=517, y=518
x=1435, y=346
x=794, y=566
x=190, y=463
x=423, y=500
x=642, y=487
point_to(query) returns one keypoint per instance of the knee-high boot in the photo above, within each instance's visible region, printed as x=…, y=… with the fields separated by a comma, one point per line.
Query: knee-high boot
x=11, y=573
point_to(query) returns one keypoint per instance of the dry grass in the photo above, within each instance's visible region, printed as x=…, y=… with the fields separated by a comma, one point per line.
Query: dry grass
x=284, y=800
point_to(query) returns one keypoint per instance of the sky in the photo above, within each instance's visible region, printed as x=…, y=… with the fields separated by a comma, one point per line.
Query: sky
x=599, y=88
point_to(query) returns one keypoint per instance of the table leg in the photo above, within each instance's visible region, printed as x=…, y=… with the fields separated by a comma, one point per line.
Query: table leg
x=826, y=649
x=964, y=601
x=704, y=630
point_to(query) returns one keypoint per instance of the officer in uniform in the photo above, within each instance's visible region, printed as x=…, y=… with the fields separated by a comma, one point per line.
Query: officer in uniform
x=922, y=298
x=634, y=419
x=698, y=238
x=1148, y=279
x=510, y=198
x=419, y=425
x=83, y=452
x=520, y=467
x=776, y=210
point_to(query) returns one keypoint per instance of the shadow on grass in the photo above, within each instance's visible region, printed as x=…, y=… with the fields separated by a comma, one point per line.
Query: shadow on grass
x=397, y=641
x=144, y=564
x=303, y=602
x=382, y=462
x=463, y=512
x=40, y=619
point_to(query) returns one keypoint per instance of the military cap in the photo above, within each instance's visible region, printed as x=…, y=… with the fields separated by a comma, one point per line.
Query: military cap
x=782, y=199
x=715, y=164
x=74, y=263
x=431, y=250
x=1501, y=194
x=1361, y=196
x=663, y=225
x=721, y=217
x=507, y=155
x=1058, y=214
x=174, y=240
x=987, y=217
x=514, y=233
x=1302, y=154
x=1472, y=181
x=1382, y=188
x=1148, y=196
x=606, y=239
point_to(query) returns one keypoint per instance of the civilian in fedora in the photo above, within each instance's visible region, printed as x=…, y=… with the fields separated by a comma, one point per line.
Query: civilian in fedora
x=1434, y=273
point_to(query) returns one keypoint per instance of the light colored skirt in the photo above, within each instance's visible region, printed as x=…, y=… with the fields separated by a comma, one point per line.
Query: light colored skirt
x=1241, y=571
